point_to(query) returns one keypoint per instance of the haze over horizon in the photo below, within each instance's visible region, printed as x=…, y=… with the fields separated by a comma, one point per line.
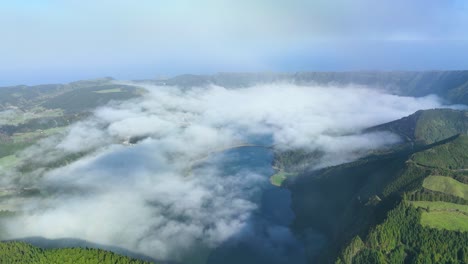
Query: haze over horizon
x=61, y=41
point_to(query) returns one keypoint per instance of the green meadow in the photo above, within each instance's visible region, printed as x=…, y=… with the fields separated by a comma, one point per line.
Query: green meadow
x=446, y=185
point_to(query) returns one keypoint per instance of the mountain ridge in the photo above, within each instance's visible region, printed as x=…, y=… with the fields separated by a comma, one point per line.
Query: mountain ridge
x=349, y=201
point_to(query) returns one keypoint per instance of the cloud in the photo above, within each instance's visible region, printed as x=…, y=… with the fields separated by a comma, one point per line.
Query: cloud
x=151, y=198
x=135, y=198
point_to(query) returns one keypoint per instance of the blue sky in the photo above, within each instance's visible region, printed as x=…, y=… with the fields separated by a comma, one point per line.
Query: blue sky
x=54, y=41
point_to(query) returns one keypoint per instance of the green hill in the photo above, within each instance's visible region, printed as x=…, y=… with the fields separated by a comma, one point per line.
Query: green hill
x=401, y=238
x=349, y=202
x=88, y=98
x=422, y=128
x=450, y=85
x=452, y=155
x=20, y=252
x=446, y=185
x=428, y=126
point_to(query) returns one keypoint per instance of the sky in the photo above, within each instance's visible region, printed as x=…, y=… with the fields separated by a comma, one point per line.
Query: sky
x=52, y=41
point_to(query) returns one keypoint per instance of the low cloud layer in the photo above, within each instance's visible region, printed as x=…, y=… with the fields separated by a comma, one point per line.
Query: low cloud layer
x=149, y=197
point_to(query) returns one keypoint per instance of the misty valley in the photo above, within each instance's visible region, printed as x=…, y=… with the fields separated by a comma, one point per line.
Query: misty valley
x=308, y=167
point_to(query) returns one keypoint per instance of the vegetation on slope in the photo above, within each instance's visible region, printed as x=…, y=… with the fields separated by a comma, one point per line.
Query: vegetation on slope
x=440, y=206
x=278, y=178
x=297, y=160
x=428, y=126
x=401, y=238
x=8, y=148
x=446, y=185
x=20, y=252
x=452, y=155
x=419, y=130
x=87, y=98
x=449, y=220
x=443, y=215
x=29, y=113
x=438, y=124
x=348, y=201
x=27, y=97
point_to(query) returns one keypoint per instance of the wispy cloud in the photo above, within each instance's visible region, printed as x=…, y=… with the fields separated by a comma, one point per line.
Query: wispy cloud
x=148, y=198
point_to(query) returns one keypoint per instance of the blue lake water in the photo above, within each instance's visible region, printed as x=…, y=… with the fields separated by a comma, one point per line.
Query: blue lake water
x=267, y=237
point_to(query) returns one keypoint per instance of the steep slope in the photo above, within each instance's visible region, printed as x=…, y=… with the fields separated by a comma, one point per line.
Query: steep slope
x=20, y=252
x=401, y=238
x=452, y=155
x=450, y=85
x=422, y=128
x=428, y=126
x=344, y=201
x=347, y=202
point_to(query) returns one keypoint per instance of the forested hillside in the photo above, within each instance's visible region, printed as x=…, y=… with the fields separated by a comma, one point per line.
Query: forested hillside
x=428, y=126
x=370, y=204
x=402, y=239
x=20, y=252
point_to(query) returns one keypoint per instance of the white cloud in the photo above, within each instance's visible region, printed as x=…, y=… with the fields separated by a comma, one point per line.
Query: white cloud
x=150, y=199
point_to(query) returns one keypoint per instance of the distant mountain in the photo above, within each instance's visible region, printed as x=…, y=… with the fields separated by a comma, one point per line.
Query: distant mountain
x=23, y=96
x=406, y=206
x=450, y=85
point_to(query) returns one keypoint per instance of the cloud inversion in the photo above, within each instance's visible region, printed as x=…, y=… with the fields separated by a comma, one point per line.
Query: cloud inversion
x=149, y=197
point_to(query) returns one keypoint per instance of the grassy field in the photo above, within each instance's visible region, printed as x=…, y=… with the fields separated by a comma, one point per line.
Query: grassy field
x=20, y=141
x=446, y=185
x=28, y=136
x=85, y=99
x=443, y=215
x=16, y=117
x=113, y=90
x=441, y=206
x=8, y=161
x=9, y=148
x=20, y=252
x=278, y=178
x=445, y=220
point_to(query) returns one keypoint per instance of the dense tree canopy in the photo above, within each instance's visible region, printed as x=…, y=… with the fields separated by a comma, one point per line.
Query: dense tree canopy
x=20, y=252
